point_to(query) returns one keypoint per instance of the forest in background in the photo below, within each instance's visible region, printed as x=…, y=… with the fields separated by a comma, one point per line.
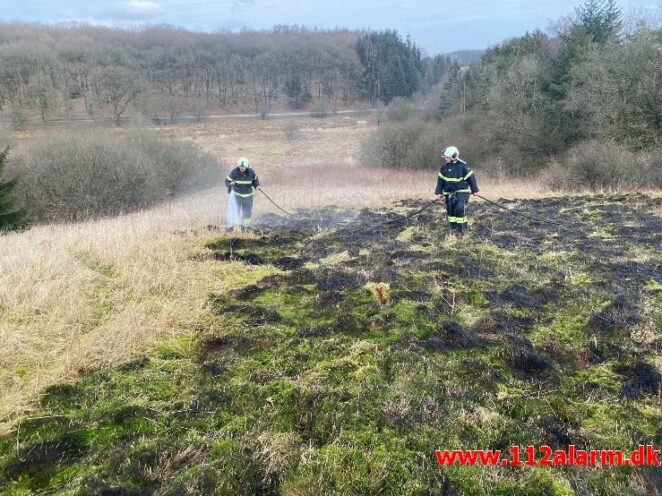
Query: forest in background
x=581, y=106
x=163, y=72
x=574, y=109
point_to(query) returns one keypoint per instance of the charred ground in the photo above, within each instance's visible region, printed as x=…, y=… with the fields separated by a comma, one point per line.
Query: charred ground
x=366, y=346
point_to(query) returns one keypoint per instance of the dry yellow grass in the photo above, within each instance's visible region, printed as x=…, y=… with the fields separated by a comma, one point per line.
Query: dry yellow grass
x=80, y=296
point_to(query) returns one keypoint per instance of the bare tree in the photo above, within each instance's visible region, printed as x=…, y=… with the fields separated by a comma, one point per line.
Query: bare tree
x=99, y=66
x=118, y=87
x=264, y=82
x=42, y=94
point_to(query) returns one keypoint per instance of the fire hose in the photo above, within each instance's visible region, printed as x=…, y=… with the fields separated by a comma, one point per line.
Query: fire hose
x=274, y=203
x=429, y=204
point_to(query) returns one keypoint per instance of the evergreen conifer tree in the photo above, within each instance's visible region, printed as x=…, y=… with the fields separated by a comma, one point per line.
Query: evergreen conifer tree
x=11, y=218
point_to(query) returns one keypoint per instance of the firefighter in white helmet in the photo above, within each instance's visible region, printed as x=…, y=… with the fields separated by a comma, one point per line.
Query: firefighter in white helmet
x=454, y=183
x=243, y=180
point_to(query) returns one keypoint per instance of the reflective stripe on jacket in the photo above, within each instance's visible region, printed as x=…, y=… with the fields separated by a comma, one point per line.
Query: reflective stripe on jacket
x=456, y=177
x=243, y=183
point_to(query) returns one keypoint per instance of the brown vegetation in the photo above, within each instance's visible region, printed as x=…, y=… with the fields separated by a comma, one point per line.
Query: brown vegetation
x=76, y=296
x=77, y=71
x=79, y=174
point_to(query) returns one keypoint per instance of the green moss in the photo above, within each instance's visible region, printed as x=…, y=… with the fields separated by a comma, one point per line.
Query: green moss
x=474, y=297
x=299, y=386
x=11, y=316
x=655, y=287
x=94, y=264
x=536, y=482
x=409, y=318
x=179, y=348
x=567, y=328
x=335, y=258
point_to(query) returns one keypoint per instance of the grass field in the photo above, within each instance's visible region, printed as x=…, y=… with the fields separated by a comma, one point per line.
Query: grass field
x=79, y=296
x=353, y=349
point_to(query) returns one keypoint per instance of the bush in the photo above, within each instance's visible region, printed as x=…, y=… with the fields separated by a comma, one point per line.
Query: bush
x=401, y=109
x=78, y=175
x=606, y=167
x=394, y=145
x=291, y=131
x=179, y=166
x=414, y=143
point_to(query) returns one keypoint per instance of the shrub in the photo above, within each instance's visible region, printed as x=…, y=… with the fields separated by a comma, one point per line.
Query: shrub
x=291, y=131
x=606, y=167
x=179, y=165
x=16, y=118
x=77, y=175
x=414, y=143
x=401, y=109
x=393, y=145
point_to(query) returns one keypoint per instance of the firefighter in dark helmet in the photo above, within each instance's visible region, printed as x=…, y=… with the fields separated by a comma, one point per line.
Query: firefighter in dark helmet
x=243, y=181
x=455, y=182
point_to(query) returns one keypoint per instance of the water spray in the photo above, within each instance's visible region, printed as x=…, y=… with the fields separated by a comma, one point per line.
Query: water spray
x=232, y=210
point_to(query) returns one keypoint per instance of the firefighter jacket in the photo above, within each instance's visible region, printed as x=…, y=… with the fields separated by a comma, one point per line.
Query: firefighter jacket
x=242, y=183
x=456, y=177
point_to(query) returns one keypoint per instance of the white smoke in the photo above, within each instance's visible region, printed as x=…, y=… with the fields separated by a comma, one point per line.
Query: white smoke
x=232, y=212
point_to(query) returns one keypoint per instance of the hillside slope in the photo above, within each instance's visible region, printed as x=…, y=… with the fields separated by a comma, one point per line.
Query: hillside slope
x=366, y=347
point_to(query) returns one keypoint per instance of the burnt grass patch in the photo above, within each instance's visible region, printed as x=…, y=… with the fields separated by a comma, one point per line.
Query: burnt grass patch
x=448, y=337
x=640, y=377
x=372, y=345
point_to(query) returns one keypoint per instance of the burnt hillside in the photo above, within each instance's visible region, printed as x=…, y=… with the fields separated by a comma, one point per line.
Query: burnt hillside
x=368, y=345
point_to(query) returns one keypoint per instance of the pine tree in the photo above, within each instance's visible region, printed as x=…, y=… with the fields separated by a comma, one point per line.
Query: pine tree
x=392, y=67
x=10, y=218
x=596, y=23
x=451, y=91
x=601, y=19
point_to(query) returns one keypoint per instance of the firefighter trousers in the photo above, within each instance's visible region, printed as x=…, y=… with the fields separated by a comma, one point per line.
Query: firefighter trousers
x=456, y=208
x=244, y=208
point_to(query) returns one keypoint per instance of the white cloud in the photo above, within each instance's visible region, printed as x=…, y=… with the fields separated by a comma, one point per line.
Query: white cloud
x=436, y=24
x=141, y=7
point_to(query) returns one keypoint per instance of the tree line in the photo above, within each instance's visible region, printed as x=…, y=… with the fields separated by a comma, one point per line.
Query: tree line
x=585, y=98
x=540, y=94
x=164, y=72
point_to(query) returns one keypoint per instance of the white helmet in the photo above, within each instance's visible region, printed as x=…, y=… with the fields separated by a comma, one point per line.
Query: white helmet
x=242, y=162
x=451, y=152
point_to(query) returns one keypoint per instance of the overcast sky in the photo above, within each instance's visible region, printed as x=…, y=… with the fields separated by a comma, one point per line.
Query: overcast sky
x=437, y=26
